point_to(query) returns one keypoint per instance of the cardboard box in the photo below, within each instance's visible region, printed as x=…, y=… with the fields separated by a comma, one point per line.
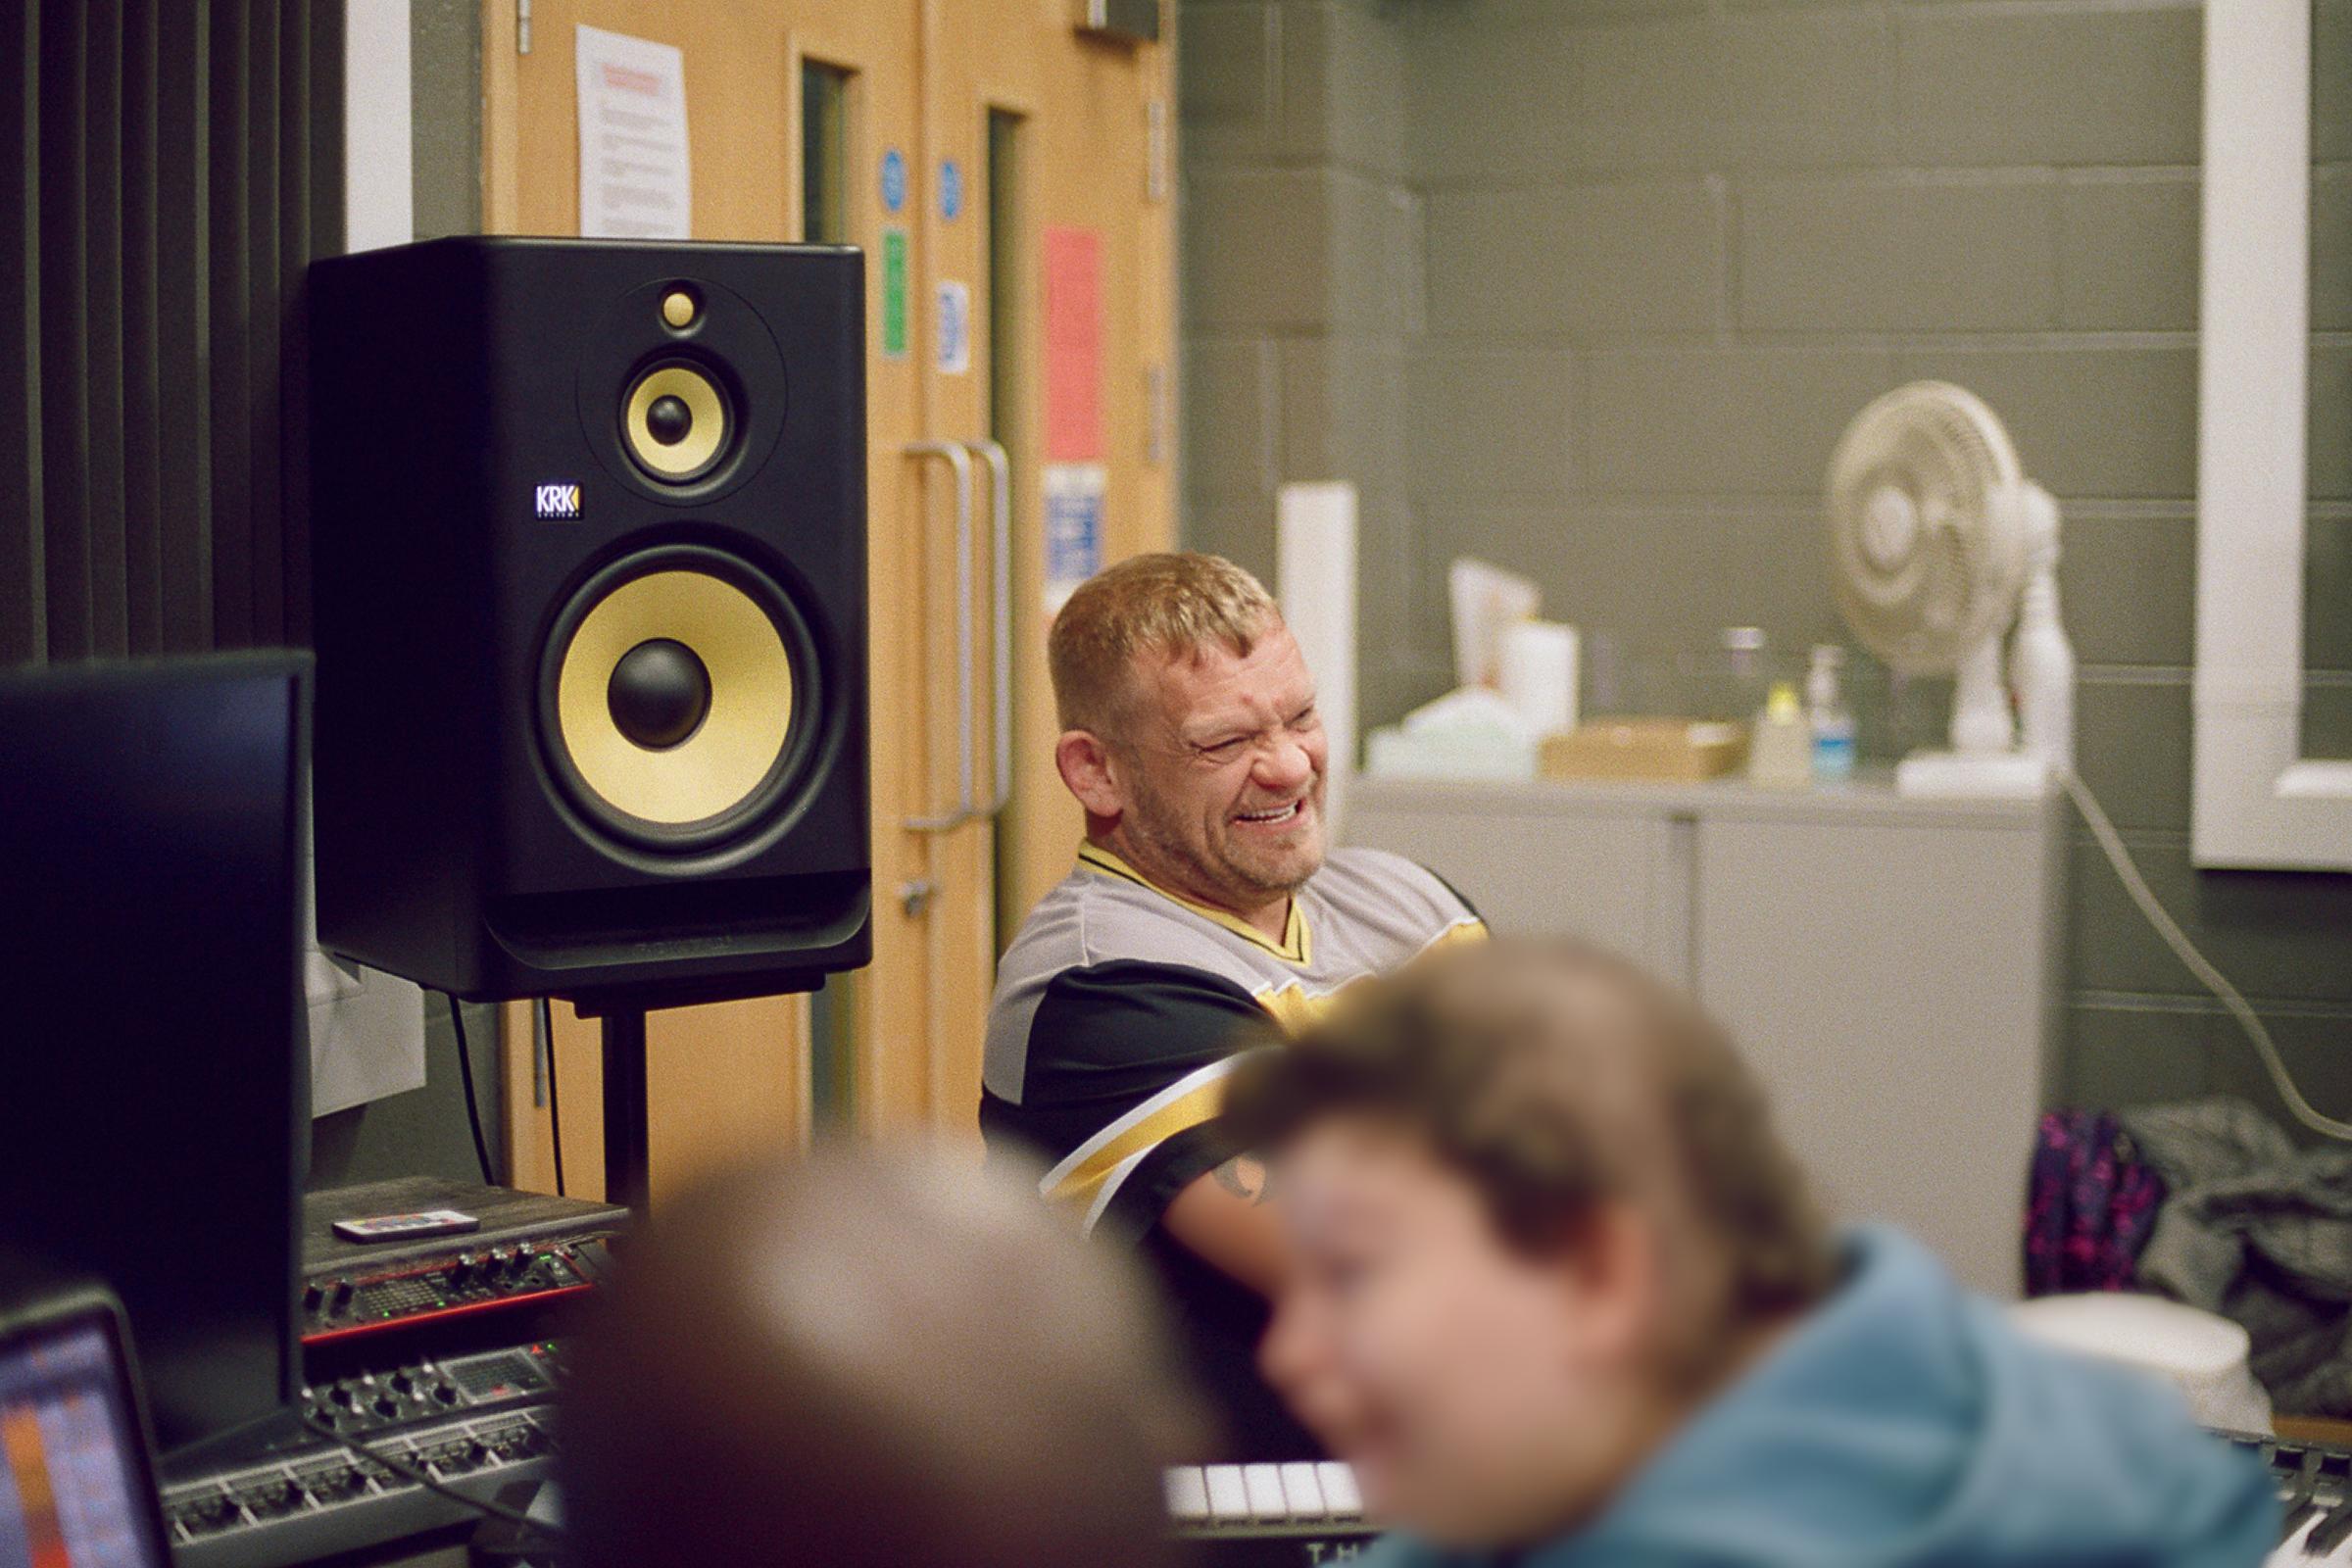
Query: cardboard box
x=1675, y=751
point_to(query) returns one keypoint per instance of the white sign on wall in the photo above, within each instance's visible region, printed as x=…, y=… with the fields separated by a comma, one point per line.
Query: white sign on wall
x=1073, y=527
x=634, y=181
x=954, y=327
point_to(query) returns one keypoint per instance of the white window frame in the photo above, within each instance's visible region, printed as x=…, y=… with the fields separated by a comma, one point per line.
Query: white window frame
x=2259, y=802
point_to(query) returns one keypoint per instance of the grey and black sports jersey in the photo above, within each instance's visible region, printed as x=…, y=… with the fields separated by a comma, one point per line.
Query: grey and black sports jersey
x=1118, y=1011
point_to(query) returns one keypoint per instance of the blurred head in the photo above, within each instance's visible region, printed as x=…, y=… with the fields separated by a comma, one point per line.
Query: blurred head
x=1538, y=1214
x=1189, y=729
x=869, y=1358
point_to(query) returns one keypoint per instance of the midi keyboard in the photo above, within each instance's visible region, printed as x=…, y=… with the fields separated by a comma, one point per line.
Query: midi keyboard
x=1310, y=1513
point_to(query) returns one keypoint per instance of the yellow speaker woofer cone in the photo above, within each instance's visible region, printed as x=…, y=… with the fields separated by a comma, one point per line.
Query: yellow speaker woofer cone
x=731, y=765
x=676, y=421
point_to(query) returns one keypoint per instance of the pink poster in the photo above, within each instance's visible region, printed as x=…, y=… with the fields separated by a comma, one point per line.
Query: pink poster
x=1073, y=345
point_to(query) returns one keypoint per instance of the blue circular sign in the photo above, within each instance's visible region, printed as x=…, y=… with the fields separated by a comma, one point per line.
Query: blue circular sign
x=951, y=188
x=893, y=180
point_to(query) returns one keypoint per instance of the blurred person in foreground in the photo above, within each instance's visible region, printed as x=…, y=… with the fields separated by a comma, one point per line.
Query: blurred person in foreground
x=871, y=1357
x=1561, y=1295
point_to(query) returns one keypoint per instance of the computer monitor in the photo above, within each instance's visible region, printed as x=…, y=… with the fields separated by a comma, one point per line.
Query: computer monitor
x=153, y=1079
x=76, y=1485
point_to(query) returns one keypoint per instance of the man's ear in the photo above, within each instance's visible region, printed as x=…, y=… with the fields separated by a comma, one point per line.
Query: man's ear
x=1086, y=768
x=1615, y=1272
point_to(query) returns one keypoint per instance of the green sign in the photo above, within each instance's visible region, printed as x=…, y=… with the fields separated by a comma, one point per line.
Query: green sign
x=894, y=293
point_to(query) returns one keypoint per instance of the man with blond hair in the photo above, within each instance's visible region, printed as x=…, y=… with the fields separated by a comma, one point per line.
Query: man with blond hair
x=1204, y=908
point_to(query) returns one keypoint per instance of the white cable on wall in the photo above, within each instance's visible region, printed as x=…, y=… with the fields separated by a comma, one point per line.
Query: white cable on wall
x=2112, y=844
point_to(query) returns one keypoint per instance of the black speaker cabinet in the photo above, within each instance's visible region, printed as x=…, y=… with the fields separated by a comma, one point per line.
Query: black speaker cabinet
x=588, y=573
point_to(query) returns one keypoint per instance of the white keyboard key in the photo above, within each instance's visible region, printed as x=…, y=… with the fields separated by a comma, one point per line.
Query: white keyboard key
x=1228, y=1498
x=1263, y=1484
x=2290, y=1552
x=2341, y=1551
x=1301, y=1492
x=1187, y=1494
x=1339, y=1490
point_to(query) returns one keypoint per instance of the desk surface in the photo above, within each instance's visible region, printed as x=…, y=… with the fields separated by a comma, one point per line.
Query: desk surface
x=1870, y=796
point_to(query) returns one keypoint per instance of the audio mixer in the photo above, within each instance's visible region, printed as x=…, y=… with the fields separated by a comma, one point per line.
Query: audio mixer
x=442, y=1351
x=530, y=1250
x=476, y=1423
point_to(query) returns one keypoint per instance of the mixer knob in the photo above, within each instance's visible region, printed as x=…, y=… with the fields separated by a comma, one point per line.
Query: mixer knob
x=446, y=1393
x=343, y=1396
x=386, y=1409
x=312, y=1297
x=342, y=1294
x=401, y=1383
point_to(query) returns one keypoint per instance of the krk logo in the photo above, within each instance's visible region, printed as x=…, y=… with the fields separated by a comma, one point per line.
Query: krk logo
x=556, y=502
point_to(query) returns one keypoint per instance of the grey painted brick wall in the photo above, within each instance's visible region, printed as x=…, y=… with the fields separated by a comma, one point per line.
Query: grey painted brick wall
x=1590, y=287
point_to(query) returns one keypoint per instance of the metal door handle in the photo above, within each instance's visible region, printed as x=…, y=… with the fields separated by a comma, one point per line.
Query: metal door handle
x=1000, y=524
x=960, y=463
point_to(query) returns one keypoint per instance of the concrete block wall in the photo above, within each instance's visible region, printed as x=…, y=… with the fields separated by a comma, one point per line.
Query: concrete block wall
x=1591, y=287
x=1302, y=286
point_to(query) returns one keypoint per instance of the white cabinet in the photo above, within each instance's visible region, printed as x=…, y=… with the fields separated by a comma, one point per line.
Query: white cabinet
x=1889, y=966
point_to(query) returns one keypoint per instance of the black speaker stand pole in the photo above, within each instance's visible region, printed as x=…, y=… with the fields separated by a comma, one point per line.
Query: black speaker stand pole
x=626, y=1136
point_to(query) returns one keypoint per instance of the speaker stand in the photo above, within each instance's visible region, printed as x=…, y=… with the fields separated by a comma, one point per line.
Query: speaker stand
x=626, y=1135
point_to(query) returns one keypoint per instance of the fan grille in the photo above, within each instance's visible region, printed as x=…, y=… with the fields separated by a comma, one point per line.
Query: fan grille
x=1920, y=597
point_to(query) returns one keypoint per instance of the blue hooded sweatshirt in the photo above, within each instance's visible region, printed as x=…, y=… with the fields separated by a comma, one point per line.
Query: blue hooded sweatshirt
x=1903, y=1422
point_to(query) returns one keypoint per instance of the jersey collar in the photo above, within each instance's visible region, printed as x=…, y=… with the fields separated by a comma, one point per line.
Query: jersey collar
x=1295, y=946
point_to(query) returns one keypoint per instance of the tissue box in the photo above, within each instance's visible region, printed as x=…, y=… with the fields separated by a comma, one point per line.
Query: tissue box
x=1663, y=750
x=1393, y=752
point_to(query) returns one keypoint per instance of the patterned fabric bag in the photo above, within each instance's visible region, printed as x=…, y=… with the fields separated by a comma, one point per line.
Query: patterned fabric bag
x=2089, y=1206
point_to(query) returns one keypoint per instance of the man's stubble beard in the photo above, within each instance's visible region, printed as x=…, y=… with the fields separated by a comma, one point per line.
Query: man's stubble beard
x=1153, y=824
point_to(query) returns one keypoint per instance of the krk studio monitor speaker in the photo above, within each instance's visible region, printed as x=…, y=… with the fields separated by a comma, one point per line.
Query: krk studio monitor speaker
x=589, y=596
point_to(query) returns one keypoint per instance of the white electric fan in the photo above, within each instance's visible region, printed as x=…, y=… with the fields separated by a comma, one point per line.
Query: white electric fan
x=1938, y=542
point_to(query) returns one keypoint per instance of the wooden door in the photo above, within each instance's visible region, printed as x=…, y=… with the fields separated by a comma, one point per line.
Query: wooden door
x=917, y=78
x=1082, y=131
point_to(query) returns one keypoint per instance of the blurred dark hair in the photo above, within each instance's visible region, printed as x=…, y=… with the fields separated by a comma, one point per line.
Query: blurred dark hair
x=871, y=1357
x=1553, y=1077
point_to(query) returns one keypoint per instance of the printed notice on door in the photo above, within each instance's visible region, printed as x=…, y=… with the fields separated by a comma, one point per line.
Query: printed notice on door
x=633, y=171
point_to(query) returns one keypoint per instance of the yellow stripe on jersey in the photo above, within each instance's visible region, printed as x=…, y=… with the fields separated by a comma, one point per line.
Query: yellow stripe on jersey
x=1294, y=1007
x=1181, y=1106
x=1297, y=944
x=1091, y=1174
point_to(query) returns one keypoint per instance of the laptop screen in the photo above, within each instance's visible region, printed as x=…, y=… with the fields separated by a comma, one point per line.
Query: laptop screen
x=74, y=1479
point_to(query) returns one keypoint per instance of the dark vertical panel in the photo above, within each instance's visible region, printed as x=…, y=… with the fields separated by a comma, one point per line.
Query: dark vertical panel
x=102, y=258
x=326, y=197
x=231, y=270
x=183, y=318
x=142, y=434
x=63, y=308
x=293, y=254
x=167, y=168
x=267, y=587
x=23, y=627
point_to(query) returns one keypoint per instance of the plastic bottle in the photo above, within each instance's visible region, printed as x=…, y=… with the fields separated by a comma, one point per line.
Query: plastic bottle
x=1780, y=747
x=1827, y=716
x=1742, y=674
